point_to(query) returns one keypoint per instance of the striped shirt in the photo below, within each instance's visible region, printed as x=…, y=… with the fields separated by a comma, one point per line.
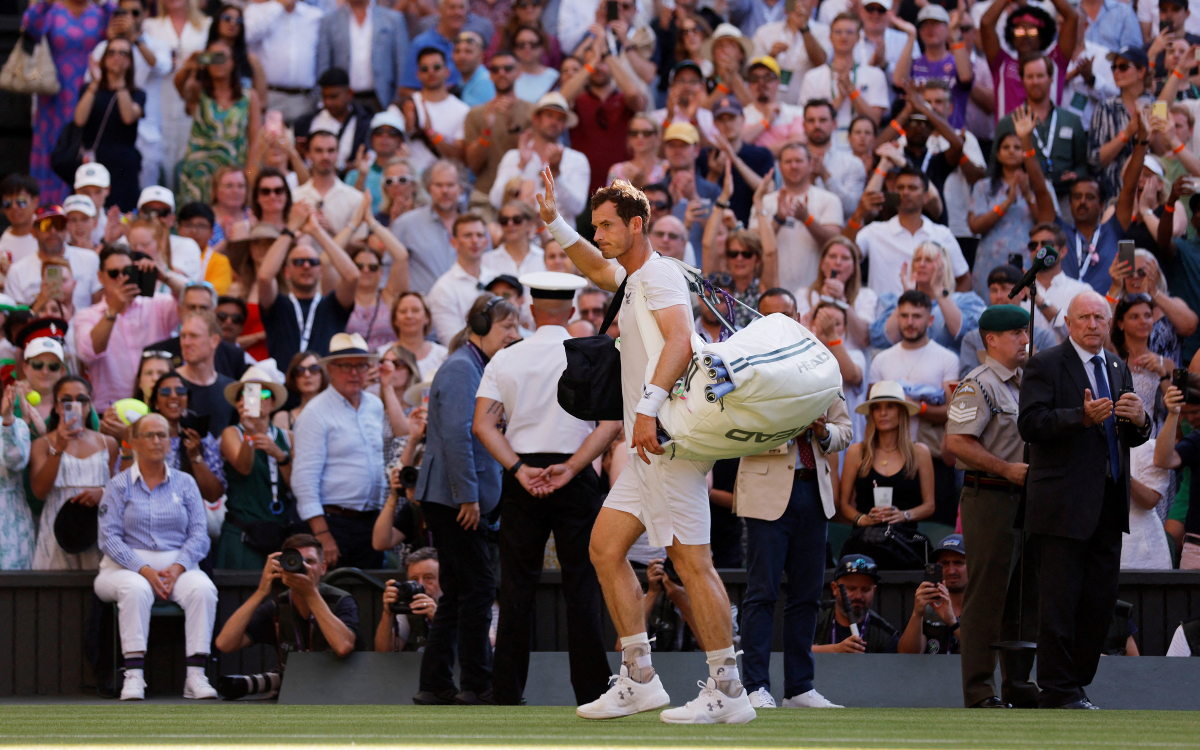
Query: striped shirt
x=169, y=517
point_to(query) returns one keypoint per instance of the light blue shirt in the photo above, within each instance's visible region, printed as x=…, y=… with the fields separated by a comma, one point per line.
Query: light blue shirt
x=969, y=304
x=169, y=517
x=748, y=15
x=1116, y=26
x=429, y=251
x=479, y=89
x=374, y=184
x=339, y=455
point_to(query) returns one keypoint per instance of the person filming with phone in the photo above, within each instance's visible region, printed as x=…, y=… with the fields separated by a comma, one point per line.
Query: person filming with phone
x=938, y=601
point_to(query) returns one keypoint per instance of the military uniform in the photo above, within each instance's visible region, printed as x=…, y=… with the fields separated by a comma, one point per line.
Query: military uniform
x=985, y=406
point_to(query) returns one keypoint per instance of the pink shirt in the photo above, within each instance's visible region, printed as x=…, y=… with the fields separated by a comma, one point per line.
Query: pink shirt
x=1010, y=92
x=112, y=372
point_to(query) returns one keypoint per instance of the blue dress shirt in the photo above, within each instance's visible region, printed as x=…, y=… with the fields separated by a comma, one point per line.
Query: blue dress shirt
x=339, y=455
x=170, y=517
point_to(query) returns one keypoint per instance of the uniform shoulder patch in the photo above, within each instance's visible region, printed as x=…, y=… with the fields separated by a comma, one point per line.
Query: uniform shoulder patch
x=961, y=412
x=965, y=389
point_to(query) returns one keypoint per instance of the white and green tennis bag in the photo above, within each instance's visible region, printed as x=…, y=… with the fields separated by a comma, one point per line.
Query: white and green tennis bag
x=752, y=392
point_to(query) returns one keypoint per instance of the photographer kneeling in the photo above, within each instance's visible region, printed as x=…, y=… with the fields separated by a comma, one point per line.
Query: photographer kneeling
x=409, y=607
x=308, y=616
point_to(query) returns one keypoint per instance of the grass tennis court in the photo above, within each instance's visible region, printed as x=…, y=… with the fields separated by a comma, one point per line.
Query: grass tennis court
x=259, y=725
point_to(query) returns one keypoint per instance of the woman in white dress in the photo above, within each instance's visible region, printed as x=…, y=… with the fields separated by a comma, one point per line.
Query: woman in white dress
x=71, y=464
x=1145, y=546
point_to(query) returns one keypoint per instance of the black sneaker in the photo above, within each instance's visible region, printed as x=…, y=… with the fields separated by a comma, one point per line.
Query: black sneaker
x=992, y=702
x=468, y=698
x=430, y=698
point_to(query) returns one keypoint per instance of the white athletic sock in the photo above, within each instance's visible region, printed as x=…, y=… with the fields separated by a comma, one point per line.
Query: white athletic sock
x=722, y=668
x=635, y=655
x=136, y=672
x=195, y=671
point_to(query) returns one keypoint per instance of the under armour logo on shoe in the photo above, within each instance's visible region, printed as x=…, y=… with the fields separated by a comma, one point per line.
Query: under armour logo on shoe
x=710, y=707
x=720, y=705
x=621, y=694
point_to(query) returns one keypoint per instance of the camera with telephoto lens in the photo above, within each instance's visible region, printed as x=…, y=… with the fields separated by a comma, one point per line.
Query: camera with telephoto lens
x=292, y=561
x=406, y=591
x=407, y=477
x=235, y=686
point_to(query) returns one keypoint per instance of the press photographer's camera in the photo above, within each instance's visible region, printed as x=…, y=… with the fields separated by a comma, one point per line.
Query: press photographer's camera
x=406, y=591
x=292, y=561
x=407, y=477
x=235, y=686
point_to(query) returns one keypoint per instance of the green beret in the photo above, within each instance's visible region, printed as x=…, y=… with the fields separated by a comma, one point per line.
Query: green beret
x=1003, y=318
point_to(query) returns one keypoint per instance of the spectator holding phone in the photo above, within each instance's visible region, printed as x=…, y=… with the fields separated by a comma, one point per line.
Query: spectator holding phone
x=189, y=450
x=1170, y=454
x=26, y=280
x=933, y=627
x=71, y=464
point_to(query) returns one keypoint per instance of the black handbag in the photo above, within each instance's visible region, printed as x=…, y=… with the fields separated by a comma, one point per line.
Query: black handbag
x=69, y=153
x=590, y=387
x=892, y=547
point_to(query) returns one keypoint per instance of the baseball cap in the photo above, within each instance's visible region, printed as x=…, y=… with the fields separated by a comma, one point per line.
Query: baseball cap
x=506, y=278
x=1154, y=165
x=51, y=211
x=682, y=131
x=685, y=65
x=92, y=175
x=157, y=194
x=887, y=4
x=1135, y=55
x=933, y=12
x=727, y=105
x=80, y=203
x=768, y=62
x=387, y=119
x=1004, y=274
x=851, y=564
x=952, y=543
x=43, y=345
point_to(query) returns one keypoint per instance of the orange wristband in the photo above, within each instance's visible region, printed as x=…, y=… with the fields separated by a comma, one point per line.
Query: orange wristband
x=997, y=210
x=722, y=88
x=855, y=94
x=589, y=68
x=438, y=138
x=853, y=223
x=766, y=125
x=964, y=160
x=897, y=128
x=924, y=408
x=1179, y=148
x=835, y=342
x=1031, y=153
x=1178, y=75
x=1124, y=138
x=484, y=142
x=1169, y=209
x=958, y=46
x=809, y=221
x=1111, y=300
x=880, y=172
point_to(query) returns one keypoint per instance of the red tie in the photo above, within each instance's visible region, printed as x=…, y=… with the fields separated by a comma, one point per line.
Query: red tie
x=806, y=452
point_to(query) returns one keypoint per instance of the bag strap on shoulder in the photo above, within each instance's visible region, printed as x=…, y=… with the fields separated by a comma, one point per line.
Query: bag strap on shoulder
x=614, y=307
x=712, y=296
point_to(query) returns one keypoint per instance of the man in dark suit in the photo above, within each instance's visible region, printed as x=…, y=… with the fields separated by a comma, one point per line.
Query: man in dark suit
x=458, y=487
x=1080, y=416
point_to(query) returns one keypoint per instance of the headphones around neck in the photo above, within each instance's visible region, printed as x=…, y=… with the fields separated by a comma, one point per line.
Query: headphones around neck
x=480, y=323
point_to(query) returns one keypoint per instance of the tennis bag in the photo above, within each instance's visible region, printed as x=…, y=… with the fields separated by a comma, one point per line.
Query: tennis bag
x=782, y=380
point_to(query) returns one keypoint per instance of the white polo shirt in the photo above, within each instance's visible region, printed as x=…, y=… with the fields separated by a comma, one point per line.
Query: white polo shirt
x=450, y=300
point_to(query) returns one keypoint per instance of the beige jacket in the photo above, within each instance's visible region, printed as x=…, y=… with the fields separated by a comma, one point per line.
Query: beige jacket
x=764, y=481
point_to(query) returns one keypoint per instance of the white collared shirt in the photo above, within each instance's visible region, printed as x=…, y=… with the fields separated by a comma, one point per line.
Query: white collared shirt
x=286, y=43
x=498, y=262
x=570, y=184
x=450, y=300
x=1090, y=369
x=524, y=377
x=798, y=264
x=1061, y=291
x=361, y=77
x=889, y=244
x=338, y=205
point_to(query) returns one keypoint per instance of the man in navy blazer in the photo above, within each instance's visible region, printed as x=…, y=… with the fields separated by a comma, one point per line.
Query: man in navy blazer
x=459, y=484
x=387, y=52
x=1080, y=416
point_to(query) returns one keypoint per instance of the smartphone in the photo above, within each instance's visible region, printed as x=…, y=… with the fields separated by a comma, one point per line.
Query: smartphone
x=833, y=274
x=1166, y=26
x=252, y=399
x=1179, y=379
x=1120, y=419
x=612, y=11
x=73, y=416
x=933, y=573
x=1198, y=55
x=1125, y=250
x=891, y=200
x=1159, y=109
x=52, y=281
x=425, y=398
x=189, y=420
x=274, y=122
x=1017, y=261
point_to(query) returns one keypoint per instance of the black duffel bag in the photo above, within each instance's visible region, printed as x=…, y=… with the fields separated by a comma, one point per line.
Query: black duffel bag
x=590, y=387
x=892, y=546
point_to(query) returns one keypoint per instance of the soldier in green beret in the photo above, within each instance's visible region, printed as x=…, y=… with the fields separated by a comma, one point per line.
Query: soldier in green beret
x=981, y=431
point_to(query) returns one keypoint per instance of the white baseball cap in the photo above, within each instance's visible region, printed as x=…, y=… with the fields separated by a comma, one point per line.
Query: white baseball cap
x=157, y=194
x=44, y=345
x=80, y=203
x=388, y=118
x=92, y=175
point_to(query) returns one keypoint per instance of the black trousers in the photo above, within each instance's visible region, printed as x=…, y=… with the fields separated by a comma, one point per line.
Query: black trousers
x=525, y=525
x=1078, y=585
x=464, y=612
x=353, y=537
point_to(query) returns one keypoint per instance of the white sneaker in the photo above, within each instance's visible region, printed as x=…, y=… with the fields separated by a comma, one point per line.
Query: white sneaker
x=134, y=688
x=712, y=707
x=762, y=698
x=625, y=698
x=811, y=699
x=197, y=688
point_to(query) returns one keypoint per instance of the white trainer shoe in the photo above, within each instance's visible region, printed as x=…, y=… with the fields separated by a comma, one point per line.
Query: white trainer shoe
x=762, y=698
x=625, y=698
x=811, y=699
x=197, y=688
x=712, y=707
x=134, y=688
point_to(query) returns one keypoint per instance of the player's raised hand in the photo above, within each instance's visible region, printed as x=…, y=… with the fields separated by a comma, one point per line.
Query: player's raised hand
x=546, y=203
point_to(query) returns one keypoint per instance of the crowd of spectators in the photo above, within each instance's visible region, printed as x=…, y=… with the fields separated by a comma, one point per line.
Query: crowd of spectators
x=285, y=215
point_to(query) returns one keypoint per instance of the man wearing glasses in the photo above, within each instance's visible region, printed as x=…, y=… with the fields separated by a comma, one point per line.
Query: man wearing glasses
x=25, y=279
x=110, y=335
x=338, y=473
x=492, y=129
x=1054, y=289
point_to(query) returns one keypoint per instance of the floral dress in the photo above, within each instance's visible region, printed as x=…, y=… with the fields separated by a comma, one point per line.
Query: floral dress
x=71, y=42
x=219, y=137
x=17, y=532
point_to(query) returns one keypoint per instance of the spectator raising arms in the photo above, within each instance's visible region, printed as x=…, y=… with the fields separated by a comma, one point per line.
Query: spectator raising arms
x=749, y=264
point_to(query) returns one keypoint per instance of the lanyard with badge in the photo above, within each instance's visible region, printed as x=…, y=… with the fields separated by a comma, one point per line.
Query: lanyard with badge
x=304, y=324
x=1090, y=255
x=1046, y=146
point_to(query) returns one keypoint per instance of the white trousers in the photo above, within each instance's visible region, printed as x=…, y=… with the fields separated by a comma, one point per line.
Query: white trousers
x=193, y=591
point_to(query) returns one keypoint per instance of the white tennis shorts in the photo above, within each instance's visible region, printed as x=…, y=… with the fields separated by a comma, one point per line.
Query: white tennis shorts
x=669, y=497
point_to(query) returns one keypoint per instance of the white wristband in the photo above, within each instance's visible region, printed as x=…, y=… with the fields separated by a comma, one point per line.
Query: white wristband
x=564, y=234
x=652, y=400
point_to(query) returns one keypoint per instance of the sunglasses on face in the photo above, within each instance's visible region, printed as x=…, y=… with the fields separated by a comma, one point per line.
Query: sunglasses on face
x=746, y=254
x=1035, y=246
x=502, y=68
x=1140, y=273
x=514, y=220
x=692, y=30
x=308, y=370
x=116, y=273
x=1025, y=32
x=642, y=133
x=51, y=366
x=231, y=18
x=19, y=203
x=527, y=45
x=302, y=262
x=394, y=181
x=157, y=354
x=673, y=236
x=76, y=399
x=178, y=390
x=432, y=68
x=269, y=191
x=154, y=213
x=878, y=10
x=369, y=267
x=659, y=205
x=236, y=318
x=121, y=52
x=1121, y=66
x=58, y=223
